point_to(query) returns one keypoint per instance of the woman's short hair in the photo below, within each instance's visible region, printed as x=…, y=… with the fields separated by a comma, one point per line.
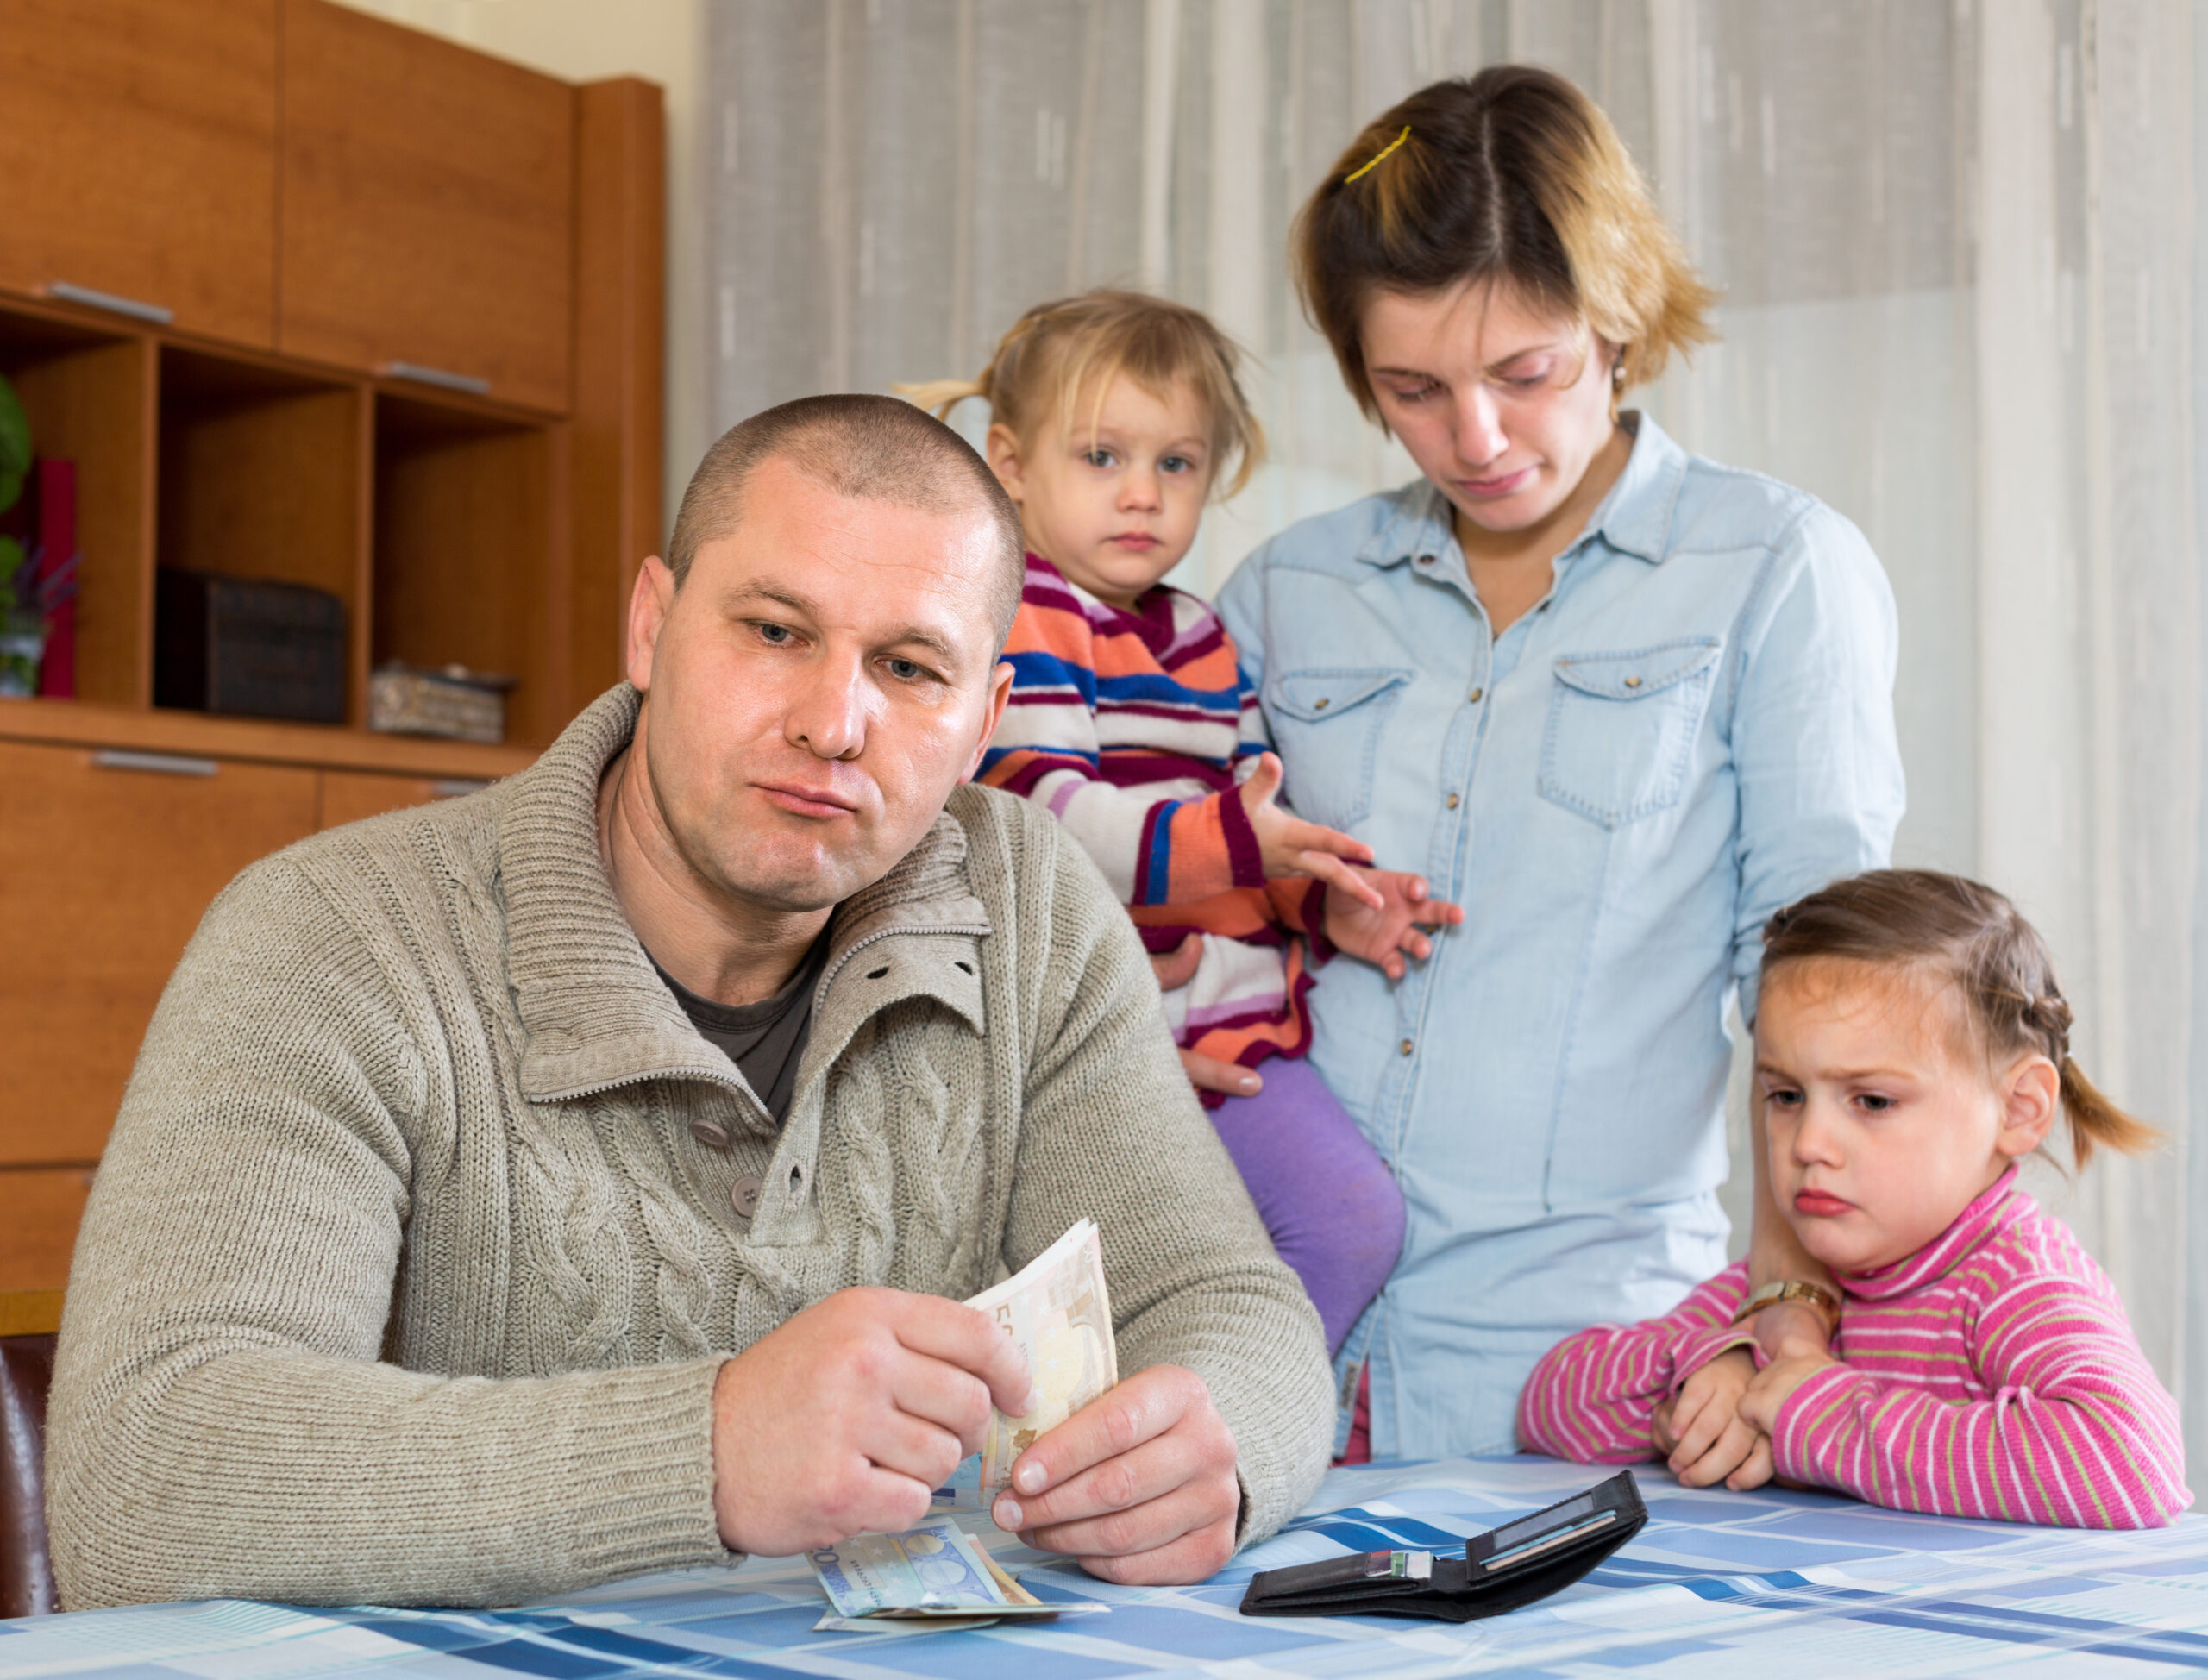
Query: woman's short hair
x=1062, y=354
x=1513, y=175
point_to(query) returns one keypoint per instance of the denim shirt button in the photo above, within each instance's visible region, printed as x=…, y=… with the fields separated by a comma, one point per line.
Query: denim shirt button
x=1477, y=694
x=1453, y=802
x=1405, y=1047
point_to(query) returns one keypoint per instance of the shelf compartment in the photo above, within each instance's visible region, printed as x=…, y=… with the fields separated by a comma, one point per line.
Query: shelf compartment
x=90, y=396
x=470, y=556
x=264, y=474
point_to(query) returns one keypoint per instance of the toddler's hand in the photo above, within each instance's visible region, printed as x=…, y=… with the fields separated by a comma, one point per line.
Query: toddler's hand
x=1714, y=1441
x=1290, y=846
x=1383, y=934
x=1775, y=1385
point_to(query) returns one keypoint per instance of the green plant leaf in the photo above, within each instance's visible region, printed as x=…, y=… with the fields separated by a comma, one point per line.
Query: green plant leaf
x=11, y=557
x=15, y=446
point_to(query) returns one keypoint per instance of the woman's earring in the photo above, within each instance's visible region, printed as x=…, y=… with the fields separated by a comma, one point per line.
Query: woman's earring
x=1618, y=373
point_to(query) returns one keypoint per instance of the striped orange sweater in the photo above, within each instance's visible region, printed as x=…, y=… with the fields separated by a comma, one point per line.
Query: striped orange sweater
x=1134, y=729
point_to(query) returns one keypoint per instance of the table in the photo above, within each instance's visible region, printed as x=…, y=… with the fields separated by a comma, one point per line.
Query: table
x=1763, y=1584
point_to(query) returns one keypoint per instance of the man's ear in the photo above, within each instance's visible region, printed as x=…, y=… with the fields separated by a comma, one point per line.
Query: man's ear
x=2031, y=1101
x=1001, y=447
x=649, y=605
x=1000, y=696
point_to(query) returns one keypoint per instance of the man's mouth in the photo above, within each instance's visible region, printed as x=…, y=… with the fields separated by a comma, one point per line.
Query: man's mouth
x=1821, y=1204
x=802, y=801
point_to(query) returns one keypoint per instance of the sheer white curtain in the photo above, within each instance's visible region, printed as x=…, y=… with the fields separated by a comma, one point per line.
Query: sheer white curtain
x=1957, y=249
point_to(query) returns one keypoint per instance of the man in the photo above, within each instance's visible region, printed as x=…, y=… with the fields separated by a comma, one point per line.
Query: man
x=569, y=1180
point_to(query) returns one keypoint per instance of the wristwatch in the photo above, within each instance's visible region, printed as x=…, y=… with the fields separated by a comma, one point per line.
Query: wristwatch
x=1793, y=1289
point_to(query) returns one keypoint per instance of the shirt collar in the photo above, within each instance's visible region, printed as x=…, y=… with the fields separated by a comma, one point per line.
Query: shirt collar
x=1634, y=517
x=593, y=1013
x=1997, y=1208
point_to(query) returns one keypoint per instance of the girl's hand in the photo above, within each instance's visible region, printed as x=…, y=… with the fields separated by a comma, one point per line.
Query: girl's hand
x=1290, y=846
x=1775, y=1385
x=1708, y=1438
x=1383, y=927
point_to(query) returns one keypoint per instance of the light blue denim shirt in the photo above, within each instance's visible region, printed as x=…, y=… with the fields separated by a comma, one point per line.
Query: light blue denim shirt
x=1694, y=728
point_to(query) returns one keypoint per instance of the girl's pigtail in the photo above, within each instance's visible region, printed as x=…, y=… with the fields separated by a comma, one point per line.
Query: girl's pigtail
x=2095, y=1121
x=939, y=397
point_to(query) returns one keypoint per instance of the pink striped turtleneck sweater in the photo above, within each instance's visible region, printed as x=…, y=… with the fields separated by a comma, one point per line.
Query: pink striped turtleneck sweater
x=1991, y=1374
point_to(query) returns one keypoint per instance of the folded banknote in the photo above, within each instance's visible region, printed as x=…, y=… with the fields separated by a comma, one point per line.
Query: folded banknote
x=1056, y=1310
x=936, y=1573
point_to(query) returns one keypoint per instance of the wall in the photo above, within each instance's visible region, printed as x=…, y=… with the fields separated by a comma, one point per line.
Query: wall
x=582, y=40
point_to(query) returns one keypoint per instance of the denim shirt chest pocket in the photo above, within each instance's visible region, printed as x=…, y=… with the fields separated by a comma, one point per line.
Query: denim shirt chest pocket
x=1622, y=727
x=1327, y=722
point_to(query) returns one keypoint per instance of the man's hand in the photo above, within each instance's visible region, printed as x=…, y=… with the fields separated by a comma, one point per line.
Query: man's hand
x=1702, y=1431
x=845, y=1419
x=1138, y=1486
x=1290, y=846
x=1776, y=1383
x=1383, y=933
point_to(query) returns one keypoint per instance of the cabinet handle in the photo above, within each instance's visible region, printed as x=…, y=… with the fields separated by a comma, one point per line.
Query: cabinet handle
x=159, y=315
x=160, y=764
x=441, y=377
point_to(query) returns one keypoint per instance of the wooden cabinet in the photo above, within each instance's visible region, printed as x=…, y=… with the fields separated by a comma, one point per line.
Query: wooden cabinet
x=44, y=1205
x=127, y=848
x=428, y=206
x=138, y=144
x=349, y=796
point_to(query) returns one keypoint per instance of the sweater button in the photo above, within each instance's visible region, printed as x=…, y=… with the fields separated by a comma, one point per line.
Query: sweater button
x=711, y=1133
x=743, y=1196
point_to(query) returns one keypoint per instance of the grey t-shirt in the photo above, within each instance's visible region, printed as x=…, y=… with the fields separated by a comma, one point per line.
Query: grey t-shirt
x=766, y=1040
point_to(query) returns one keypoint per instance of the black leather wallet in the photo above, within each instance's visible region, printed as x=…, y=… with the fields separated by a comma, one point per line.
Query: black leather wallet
x=1500, y=1571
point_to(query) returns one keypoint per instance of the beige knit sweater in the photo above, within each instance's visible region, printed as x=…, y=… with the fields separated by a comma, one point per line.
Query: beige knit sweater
x=404, y=1279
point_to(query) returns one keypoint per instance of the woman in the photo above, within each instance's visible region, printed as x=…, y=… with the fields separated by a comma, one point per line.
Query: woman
x=1618, y=701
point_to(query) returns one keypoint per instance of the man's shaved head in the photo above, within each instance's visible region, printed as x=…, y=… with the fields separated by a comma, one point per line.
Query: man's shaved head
x=867, y=448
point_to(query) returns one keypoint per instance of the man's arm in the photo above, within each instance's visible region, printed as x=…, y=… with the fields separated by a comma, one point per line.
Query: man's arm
x=1110, y=1129
x=221, y=1424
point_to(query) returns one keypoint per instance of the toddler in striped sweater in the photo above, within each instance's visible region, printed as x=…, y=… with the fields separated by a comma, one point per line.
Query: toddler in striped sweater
x=1115, y=417
x=1912, y=1046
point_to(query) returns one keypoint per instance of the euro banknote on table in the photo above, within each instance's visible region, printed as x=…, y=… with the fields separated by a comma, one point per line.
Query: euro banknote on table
x=1056, y=1310
x=937, y=1574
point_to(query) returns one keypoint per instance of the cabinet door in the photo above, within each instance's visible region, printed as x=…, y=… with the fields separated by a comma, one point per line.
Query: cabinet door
x=428, y=206
x=138, y=147
x=39, y=1208
x=107, y=861
x=348, y=796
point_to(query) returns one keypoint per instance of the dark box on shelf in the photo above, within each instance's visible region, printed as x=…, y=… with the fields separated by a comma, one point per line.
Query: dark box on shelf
x=249, y=647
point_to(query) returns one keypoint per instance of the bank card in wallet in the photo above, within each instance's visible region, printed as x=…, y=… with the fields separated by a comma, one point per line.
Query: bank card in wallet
x=1511, y=1566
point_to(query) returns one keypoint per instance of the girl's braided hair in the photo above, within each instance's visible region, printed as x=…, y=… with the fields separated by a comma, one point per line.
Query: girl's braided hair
x=1976, y=939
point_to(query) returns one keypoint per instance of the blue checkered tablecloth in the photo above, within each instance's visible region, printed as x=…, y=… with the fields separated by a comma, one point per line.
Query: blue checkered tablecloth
x=1764, y=1584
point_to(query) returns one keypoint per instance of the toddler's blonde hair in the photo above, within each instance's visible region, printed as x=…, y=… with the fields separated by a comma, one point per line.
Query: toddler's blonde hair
x=1060, y=352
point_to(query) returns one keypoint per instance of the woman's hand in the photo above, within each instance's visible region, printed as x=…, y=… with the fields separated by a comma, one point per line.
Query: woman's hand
x=1290, y=846
x=1384, y=932
x=1707, y=1438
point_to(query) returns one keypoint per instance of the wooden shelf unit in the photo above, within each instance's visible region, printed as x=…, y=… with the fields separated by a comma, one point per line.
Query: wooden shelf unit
x=313, y=196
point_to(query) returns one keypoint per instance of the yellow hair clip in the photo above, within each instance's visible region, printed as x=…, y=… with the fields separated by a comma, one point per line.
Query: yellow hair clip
x=1376, y=156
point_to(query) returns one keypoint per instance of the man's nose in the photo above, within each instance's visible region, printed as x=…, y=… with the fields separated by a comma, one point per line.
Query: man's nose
x=1480, y=437
x=827, y=716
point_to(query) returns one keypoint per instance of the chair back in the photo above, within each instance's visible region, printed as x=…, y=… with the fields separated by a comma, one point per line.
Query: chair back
x=28, y=1322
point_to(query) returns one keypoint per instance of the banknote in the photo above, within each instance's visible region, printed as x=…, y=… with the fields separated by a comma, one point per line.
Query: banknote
x=1056, y=1310
x=936, y=1573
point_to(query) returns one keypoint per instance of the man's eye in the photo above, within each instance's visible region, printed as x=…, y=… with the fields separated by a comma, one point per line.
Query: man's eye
x=905, y=671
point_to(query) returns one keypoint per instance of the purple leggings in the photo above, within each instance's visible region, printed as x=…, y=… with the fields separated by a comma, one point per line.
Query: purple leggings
x=1328, y=1200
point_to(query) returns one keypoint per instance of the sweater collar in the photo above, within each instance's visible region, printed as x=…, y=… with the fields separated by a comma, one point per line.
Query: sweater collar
x=593, y=1011
x=1997, y=1208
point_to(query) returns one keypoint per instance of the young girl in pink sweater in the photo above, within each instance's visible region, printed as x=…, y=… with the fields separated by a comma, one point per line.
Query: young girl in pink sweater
x=1911, y=1047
